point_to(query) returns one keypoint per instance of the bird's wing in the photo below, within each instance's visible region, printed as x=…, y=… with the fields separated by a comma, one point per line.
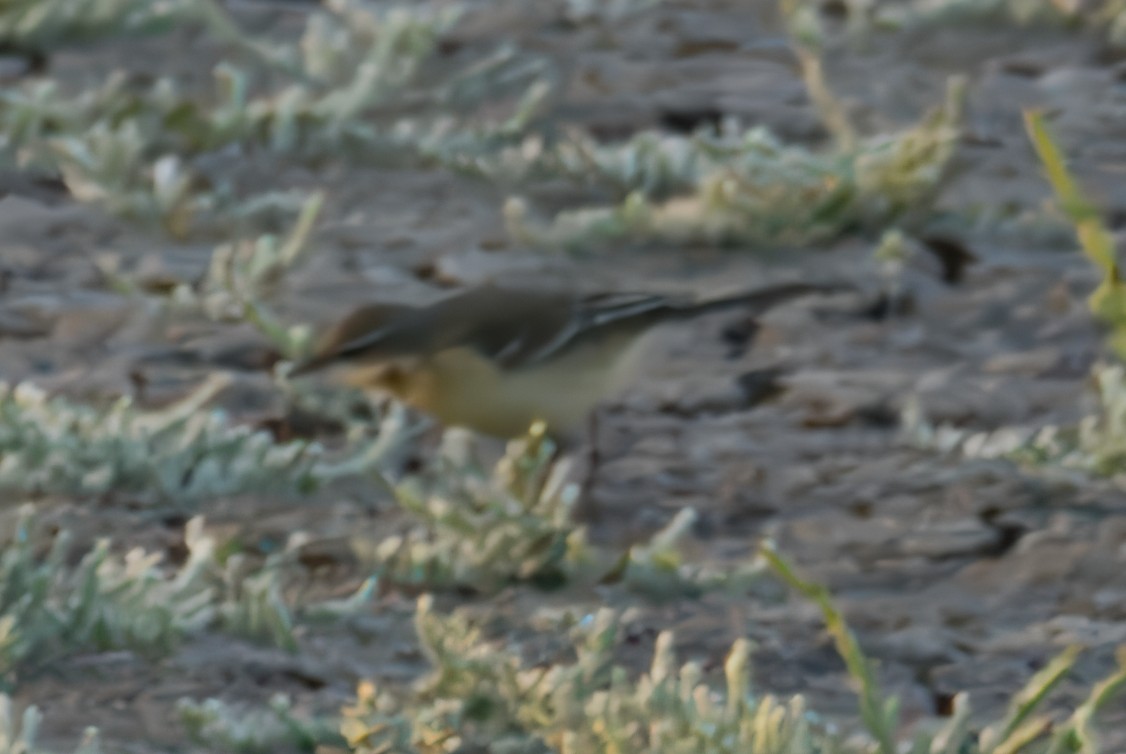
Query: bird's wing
x=517, y=328
x=601, y=309
x=508, y=327
x=576, y=317
x=523, y=329
x=632, y=313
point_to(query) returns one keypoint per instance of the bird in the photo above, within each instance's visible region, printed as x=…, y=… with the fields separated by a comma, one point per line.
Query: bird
x=497, y=360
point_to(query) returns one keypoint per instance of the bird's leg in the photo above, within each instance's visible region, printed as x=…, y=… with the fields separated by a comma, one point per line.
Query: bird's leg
x=594, y=455
x=586, y=508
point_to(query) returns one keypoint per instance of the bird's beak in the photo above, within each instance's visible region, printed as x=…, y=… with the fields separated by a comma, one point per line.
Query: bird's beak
x=379, y=375
x=308, y=365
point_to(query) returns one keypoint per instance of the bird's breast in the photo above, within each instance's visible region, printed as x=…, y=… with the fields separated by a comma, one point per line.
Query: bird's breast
x=462, y=388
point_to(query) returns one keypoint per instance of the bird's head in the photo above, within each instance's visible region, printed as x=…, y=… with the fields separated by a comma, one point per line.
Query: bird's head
x=366, y=348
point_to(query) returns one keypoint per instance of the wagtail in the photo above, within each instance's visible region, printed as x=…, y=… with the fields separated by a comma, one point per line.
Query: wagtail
x=496, y=360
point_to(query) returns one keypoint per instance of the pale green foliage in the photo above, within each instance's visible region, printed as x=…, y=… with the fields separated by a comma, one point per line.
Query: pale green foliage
x=891, y=255
x=879, y=715
x=242, y=598
x=1100, y=439
x=1078, y=732
x=352, y=86
x=1108, y=301
x=1019, y=11
x=133, y=601
x=482, y=532
x=1023, y=727
x=17, y=736
x=242, y=274
x=1112, y=16
x=807, y=37
x=749, y=188
x=659, y=570
x=479, y=693
x=40, y=110
x=118, y=148
x=1096, y=445
x=1105, y=16
x=108, y=165
x=240, y=277
x=220, y=727
x=40, y=24
x=181, y=454
x=356, y=88
x=108, y=601
x=483, y=697
x=103, y=603
x=586, y=11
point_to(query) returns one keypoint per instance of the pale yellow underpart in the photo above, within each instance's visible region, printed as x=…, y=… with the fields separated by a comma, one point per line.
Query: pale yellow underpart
x=461, y=388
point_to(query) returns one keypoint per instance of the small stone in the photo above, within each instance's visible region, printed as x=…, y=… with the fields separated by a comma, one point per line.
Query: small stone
x=163, y=272
x=1033, y=362
x=704, y=394
x=865, y=539
x=1079, y=629
x=959, y=538
x=16, y=325
x=918, y=645
x=13, y=67
x=89, y=316
x=1073, y=82
x=992, y=682
x=475, y=267
x=243, y=354
x=29, y=317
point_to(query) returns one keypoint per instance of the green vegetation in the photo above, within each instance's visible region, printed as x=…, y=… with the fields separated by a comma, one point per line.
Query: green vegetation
x=219, y=727
x=1106, y=17
x=49, y=609
x=182, y=454
x=352, y=86
x=749, y=189
x=1096, y=444
x=480, y=694
x=39, y=26
x=1108, y=302
x=481, y=532
x=358, y=89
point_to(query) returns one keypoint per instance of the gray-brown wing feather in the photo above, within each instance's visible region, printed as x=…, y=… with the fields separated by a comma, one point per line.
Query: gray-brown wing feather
x=510, y=328
x=576, y=318
x=617, y=312
x=517, y=329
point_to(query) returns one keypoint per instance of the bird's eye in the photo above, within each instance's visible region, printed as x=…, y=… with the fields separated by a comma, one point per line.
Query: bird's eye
x=393, y=377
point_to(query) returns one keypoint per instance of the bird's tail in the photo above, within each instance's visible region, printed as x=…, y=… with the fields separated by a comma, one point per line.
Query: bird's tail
x=758, y=301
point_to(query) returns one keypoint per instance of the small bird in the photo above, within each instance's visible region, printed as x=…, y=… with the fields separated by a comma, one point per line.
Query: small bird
x=496, y=360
